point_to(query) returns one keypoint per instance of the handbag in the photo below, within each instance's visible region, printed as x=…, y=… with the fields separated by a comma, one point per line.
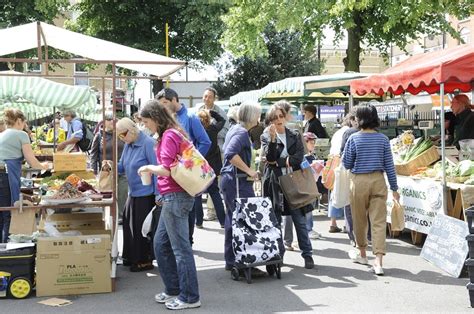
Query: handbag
x=397, y=217
x=105, y=177
x=190, y=169
x=299, y=188
x=341, y=191
x=328, y=171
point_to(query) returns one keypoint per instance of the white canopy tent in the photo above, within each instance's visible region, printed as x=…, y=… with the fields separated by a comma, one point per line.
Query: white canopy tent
x=27, y=36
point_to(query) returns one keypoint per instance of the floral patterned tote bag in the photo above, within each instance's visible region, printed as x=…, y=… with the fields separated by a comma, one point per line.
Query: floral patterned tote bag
x=191, y=170
x=256, y=237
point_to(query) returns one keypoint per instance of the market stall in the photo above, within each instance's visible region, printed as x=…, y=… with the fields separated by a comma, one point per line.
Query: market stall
x=71, y=188
x=421, y=180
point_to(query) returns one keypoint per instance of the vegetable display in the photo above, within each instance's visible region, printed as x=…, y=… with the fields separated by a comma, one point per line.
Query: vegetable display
x=419, y=148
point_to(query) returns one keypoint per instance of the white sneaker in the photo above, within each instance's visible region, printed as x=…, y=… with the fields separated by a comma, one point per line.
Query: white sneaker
x=377, y=269
x=210, y=218
x=164, y=297
x=177, y=304
x=313, y=235
x=356, y=258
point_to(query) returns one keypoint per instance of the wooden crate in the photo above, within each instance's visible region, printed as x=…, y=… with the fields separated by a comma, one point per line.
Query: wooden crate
x=69, y=162
x=425, y=159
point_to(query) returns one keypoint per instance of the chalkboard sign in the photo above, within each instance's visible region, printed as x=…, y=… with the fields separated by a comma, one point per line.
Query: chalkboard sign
x=446, y=246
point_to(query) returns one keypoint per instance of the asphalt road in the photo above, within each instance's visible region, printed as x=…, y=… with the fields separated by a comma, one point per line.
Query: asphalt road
x=335, y=285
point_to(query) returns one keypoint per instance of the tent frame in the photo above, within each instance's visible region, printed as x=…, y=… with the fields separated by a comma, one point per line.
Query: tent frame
x=45, y=73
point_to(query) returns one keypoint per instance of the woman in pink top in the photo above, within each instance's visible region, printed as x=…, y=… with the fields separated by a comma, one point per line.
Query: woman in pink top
x=172, y=247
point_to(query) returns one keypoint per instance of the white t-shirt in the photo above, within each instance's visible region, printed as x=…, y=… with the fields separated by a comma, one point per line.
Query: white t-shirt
x=281, y=138
x=336, y=141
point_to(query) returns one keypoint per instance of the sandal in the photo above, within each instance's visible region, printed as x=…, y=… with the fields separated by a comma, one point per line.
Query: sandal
x=141, y=267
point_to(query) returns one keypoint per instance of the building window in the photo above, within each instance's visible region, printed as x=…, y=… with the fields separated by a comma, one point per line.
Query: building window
x=34, y=67
x=465, y=34
x=81, y=69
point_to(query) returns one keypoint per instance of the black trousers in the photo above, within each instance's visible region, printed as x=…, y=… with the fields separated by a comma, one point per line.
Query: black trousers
x=136, y=248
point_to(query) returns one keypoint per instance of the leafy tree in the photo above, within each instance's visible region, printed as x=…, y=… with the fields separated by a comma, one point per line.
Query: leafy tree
x=376, y=23
x=14, y=13
x=194, y=26
x=286, y=58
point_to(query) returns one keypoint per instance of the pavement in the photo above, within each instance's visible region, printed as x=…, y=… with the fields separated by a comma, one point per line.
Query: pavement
x=410, y=284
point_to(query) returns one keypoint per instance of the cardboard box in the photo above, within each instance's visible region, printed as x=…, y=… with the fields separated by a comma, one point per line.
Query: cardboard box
x=73, y=265
x=69, y=161
x=83, y=222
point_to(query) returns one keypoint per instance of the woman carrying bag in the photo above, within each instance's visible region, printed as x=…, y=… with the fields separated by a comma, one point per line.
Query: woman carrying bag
x=284, y=149
x=173, y=250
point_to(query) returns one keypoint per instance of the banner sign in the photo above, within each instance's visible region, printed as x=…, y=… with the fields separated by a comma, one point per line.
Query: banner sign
x=331, y=110
x=422, y=201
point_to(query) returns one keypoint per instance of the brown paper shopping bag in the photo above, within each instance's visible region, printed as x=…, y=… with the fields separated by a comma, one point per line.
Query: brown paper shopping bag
x=398, y=217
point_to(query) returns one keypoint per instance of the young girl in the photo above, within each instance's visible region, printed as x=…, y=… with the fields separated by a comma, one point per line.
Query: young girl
x=172, y=247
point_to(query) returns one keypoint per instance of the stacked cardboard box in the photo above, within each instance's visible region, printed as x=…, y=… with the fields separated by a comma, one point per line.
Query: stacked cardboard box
x=79, y=264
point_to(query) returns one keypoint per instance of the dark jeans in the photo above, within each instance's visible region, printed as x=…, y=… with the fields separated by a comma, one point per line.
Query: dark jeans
x=299, y=221
x=215, y=195
x=173, y=251
x=5, y=201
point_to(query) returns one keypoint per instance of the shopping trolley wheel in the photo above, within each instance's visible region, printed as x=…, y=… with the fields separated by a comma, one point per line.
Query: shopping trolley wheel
x=20, y=288
x=271, y=270
x=278, y=270
x=234, y=273
x=248, y=274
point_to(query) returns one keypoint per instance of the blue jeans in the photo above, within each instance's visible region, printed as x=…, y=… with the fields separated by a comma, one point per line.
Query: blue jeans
x=5, y=201
x=309, y=221
x=299, y=221
x=173, y=250
x=215, y=195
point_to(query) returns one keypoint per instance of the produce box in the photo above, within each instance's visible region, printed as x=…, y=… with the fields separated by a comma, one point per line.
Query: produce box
x=73, y=265
x=69, y=161
x=86, y=223
x=424, y=159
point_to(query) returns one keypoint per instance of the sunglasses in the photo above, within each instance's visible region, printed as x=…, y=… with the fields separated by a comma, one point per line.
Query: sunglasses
x=280, y=116
x=123, y=135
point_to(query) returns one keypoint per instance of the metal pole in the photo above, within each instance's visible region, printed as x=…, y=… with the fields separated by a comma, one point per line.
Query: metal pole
x=104, y=152
x=114, y=153
x=443, y=148
x=54, y=129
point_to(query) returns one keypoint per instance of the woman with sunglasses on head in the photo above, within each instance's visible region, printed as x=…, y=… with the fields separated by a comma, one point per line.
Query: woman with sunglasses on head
x=367, y=155
x=173, y=249
x=283, y=148
x=139, y=150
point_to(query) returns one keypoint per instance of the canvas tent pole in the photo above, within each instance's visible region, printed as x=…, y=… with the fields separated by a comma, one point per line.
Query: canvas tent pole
x=443, y=147
x=114, y=150
x=38, y=40
x=104, y=155
x=45, y=63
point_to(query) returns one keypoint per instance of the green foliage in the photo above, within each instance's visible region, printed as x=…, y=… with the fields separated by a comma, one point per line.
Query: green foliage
x=194, y=26
x=286, y=57
x=376, y=23
x=14, y=13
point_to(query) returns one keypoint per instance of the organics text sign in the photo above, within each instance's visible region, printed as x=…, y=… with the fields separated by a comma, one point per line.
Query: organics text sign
x=422, y=201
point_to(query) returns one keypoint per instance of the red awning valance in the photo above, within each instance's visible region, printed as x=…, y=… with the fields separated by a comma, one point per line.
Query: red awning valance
x=424, y=72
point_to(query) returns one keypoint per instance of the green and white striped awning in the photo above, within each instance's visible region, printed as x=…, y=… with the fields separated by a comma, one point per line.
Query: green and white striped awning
x=37, y=97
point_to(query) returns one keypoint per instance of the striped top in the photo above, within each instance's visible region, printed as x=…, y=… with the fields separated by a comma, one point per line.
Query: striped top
x=370, y=152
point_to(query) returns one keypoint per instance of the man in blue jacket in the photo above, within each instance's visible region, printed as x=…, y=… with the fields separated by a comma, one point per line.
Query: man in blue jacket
x=192, y=125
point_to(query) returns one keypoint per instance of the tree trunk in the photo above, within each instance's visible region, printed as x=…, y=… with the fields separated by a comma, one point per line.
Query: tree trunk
x=354, y=37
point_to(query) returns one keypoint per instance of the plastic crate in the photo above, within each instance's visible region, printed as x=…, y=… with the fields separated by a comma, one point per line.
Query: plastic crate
x=17, y=270
x=425, y=159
